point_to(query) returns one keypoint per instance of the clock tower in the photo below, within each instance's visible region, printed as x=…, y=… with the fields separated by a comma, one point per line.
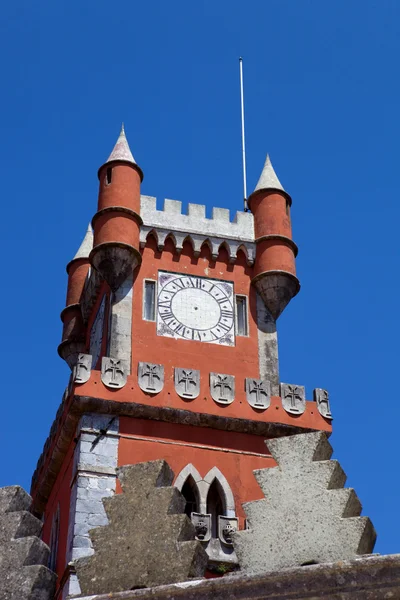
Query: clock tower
x=170, y=334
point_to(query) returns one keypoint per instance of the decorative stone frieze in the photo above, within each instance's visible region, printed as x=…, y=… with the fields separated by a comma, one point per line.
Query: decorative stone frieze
x=222, y=388
x=202, y=526
x=187, y=383
x=113, y=372
x=258, y=393
x=293, y=398
x=82, y=369
x=321, y=397
x=150, y=377
x=227, y=526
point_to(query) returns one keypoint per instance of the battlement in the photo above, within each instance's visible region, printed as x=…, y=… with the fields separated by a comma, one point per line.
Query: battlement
x=197, y=229
x=195, y=221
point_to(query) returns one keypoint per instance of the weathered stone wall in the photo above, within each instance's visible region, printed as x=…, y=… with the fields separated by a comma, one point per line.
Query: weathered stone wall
x=307, y=515
x=23, y=556
x=148, y=541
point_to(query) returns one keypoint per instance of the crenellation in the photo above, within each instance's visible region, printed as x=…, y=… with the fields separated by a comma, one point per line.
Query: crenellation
x=195, y=221
x=197, y=211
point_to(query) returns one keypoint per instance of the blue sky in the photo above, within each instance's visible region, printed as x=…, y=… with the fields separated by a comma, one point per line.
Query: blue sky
x=322, y=96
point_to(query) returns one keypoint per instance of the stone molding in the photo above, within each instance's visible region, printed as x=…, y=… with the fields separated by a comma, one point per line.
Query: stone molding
x=370, y=577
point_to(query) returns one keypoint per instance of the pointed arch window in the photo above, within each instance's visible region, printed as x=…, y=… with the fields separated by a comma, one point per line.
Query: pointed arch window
x=191, y=495
x=215, y=505
x=54, y=534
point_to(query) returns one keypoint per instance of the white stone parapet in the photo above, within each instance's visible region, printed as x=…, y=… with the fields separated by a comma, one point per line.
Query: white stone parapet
x=195, y=227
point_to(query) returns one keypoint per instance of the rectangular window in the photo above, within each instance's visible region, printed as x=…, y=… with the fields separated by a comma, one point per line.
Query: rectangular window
x=241, y=316
x=149, y=300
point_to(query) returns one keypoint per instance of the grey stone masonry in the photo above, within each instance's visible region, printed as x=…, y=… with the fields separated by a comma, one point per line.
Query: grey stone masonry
x=307, y=516
x=365, y=578
x=236, y=234
x=120, y=337
x=149, y=540
x=95, y=462
x=267, y=346
x=23, y=556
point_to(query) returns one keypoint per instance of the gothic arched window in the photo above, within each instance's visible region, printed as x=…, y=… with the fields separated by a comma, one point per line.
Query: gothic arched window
x=55, y=531
x=215, y=505
x=190, y=493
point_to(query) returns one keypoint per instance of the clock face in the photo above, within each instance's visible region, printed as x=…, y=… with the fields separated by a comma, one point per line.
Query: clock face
x=195, y=308
x=96, y=333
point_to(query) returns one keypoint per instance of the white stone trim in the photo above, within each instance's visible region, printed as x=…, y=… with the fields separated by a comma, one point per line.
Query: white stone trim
x=215, y=473
x=203, y=486
x=184, y=474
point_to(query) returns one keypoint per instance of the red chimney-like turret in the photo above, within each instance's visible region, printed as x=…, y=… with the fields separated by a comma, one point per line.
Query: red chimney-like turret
x=117, y=221
x=274, y=270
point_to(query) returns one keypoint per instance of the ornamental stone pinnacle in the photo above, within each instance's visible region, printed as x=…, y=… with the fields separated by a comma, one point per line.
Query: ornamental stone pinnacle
x=149, y=541
x=121, y=150
x=86, y=245
x=268, y=178
x=307, y=516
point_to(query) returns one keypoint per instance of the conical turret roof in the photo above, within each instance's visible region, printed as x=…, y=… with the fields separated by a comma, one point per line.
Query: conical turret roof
x=268, y=178
x=86, y=245
x=121, y=149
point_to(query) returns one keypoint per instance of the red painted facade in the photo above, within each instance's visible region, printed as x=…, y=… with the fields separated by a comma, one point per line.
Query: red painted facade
x=235, y=453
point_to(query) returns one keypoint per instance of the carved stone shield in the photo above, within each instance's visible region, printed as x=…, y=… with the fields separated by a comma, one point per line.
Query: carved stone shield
x=113, y=372
x=293, y=398
x=258, y=393
x=222, y=388
x=226, y=527
x=202, y=525
x=321, y=397
x=151, y=377
x=81, y=371
x=187, y=383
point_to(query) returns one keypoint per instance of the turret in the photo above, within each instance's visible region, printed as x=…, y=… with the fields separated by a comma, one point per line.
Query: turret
x=73, y=337
x=117, y=221
x=274, y=269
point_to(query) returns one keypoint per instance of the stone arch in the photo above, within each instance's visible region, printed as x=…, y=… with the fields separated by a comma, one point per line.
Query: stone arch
x=184, y=474
x=187, y=483
x=152, y=234
x=242, y=248
x=229, y=501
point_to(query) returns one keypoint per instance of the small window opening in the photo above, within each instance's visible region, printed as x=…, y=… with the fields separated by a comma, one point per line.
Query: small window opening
x=55, y=529
x=288, y=208
x=189, y=493
x=241, y=316
x=108, y=176
x=149, y=301
x=215, y=506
